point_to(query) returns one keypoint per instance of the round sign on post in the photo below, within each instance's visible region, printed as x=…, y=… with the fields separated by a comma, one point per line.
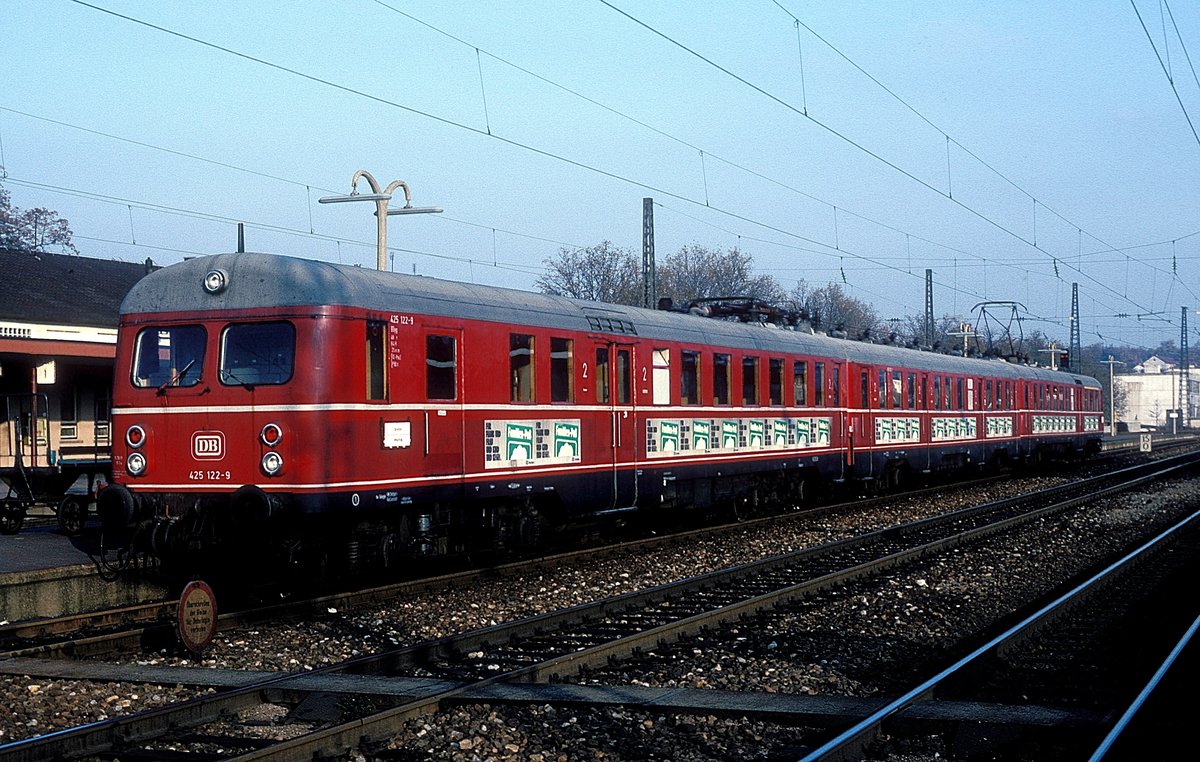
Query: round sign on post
x=197, y=616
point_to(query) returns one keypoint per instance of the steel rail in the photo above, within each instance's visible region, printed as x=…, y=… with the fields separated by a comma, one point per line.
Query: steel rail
x=160, y=615
x=1127, y=717
x=849, y=739
x=349, y=736
x=120, y=732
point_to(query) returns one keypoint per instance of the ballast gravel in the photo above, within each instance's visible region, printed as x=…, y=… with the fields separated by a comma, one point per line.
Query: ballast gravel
x=805, y=651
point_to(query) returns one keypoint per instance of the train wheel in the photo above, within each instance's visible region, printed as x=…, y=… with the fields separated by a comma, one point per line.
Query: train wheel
x=72, y=515
x=12, y=515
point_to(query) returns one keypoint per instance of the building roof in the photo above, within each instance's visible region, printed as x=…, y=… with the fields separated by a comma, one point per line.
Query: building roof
x=1154, y=364
x=65, y=289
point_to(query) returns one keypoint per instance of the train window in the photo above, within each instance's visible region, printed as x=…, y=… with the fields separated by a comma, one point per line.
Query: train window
x=603, y=381
x=257, y=353
x=837, y=386
x=441, y=371
x=624, y=376
x=169, y=356
x=937, y=392
x=68, y=413
x=562, y=370
x=520, y=367
x=376, y=360
x=689, y=377
x=987, y=394
x=818, y=383
x=864, y=391
x=662, y=377
x=882, y=390
x=924, y=398
x=897, y=390
x=800, y=382
x=911, y=391
x=720, y=379
x=749, y=380
x=961, y=398
x=775, y=381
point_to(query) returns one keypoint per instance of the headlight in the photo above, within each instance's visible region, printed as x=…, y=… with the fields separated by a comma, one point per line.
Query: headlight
x=136, y=464
x=135, y=436
x=215, y=281
x=272, y=463
x=272, y=434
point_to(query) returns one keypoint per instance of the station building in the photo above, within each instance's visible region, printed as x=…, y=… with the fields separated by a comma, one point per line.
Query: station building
x=58, y=333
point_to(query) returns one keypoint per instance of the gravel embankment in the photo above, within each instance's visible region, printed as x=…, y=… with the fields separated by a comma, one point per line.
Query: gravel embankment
x=872, y=640
x=343, y=634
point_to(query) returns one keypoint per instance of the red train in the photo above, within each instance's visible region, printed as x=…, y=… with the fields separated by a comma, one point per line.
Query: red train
x=290, y=409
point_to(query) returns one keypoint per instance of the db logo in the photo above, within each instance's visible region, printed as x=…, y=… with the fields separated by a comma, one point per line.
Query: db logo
x=208, y=445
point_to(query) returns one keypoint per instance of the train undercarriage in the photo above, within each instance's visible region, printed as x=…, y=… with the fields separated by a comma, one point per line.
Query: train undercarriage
x=277, y=534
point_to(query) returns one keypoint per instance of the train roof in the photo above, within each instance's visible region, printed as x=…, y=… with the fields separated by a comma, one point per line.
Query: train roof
x=258, y=280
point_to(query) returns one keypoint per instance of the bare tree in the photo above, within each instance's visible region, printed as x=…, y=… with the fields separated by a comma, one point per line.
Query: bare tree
x=832, y=309
x=601, y=273
x=32, y=229
x=697, y=272
x=41, y=228
x=8, y=222
x=912, y=331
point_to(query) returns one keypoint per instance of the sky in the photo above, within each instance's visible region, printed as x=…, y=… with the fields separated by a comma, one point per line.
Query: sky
x=1012, y=147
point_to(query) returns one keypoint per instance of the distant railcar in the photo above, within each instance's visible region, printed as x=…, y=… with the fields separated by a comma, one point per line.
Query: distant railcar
x=285, y=409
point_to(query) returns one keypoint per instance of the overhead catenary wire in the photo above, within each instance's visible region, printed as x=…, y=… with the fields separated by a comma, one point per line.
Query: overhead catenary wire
x=238, y=168
x=949, y=139
x=704, y=153
x=1167, y=71
x=130, y=203
x=844, y=137
x=741, y=167
x=542, y=152
x=449, y=122
x=444, y=120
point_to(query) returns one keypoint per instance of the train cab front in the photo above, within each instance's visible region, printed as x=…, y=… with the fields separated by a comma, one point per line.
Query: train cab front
x=204, y=437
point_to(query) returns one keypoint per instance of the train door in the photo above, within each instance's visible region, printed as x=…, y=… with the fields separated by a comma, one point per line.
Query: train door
x=443, y=412
x=614, y=390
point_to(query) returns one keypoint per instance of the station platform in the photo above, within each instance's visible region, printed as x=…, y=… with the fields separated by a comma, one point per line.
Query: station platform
x=44, y=573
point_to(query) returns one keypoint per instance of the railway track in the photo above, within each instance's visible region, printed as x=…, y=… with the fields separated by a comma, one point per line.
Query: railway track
x=150, y=626
x=464, y=668
x=1080, y=660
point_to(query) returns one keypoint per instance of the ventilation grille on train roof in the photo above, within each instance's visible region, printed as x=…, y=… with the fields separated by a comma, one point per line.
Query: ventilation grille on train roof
x=611, y=325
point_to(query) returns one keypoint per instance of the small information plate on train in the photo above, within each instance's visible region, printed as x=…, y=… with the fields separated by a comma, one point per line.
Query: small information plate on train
x=197, y=617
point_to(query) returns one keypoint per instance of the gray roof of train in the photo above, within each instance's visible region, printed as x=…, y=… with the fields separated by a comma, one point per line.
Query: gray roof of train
x=257, y=280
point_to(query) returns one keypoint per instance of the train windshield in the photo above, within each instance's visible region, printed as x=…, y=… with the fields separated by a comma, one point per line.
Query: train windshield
x=257, y=353
x=166, y=356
